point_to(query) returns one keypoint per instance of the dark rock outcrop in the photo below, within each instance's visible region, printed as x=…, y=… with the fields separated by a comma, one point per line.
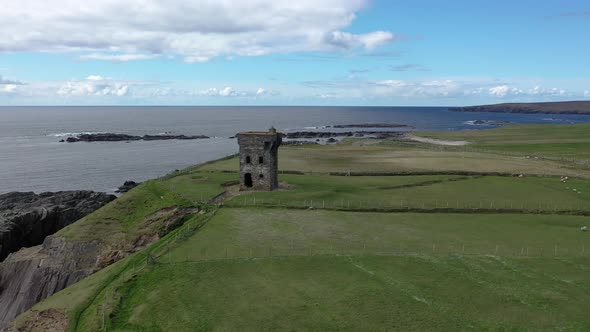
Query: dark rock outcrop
x=112, y=137
x=488, y=122
x=323, y=134
x=27, y=218
x=128, y=185
x=372, y=125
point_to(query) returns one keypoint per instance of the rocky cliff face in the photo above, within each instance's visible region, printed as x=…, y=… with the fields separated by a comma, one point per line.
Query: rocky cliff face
x=27, y=218
x=32, y=274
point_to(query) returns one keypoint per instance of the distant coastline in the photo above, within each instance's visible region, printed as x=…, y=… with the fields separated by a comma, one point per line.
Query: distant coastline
x=565, y=107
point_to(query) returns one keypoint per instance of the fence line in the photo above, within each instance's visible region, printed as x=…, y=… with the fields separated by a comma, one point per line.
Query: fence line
x=361, y=249
x=403, y=205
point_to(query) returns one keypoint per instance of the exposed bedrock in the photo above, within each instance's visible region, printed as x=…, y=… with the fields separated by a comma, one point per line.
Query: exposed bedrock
x=27, y=218
x=33, y=274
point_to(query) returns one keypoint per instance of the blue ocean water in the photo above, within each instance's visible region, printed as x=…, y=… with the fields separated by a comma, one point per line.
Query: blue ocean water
x=32, y=159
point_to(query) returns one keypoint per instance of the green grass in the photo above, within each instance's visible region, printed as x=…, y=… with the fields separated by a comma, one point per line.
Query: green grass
x=390, y=192
x=403, y=158
x=368, y=293
x=568, y=141
x=124, y=217
x=239, y=233
x=200, y=186
x=379, y=287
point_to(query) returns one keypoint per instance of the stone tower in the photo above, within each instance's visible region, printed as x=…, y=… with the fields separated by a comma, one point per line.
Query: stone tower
x=258, y=159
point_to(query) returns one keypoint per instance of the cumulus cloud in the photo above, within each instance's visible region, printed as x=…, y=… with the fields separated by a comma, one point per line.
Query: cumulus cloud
x=196, y=31
x=224, y=92
x=500, y=91
x=93, y=85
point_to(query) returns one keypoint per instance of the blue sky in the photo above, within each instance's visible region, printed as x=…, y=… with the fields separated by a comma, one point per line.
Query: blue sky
x=263, y=52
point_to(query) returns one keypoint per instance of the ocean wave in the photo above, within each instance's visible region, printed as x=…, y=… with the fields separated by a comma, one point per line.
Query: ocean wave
x=317, y=127
x=471, y=123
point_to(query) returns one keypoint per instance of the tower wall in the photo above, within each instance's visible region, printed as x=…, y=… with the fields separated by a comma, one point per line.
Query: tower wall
x=259, y=160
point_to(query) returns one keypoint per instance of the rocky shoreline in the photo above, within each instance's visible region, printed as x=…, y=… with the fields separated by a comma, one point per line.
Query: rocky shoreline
x=113, y=137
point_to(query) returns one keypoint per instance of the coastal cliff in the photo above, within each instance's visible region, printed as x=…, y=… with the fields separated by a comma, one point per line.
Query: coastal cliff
x=90, y=244
x=564, y=107
x=27, y=218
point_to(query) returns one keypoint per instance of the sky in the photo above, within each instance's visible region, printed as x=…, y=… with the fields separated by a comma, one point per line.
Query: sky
x=286, y=52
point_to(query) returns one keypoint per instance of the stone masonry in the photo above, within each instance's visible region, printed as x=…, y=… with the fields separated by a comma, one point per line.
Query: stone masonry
x=259, y=160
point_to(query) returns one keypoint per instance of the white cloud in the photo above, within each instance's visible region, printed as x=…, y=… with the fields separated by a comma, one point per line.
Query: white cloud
x=94, y=78
x=8, y=88
x=93, y=85
x=260, y=92
x=117, y=57
x=587, y=93
x=225, y=92
x=369, y=41
x=500, y=91
x=196, y=31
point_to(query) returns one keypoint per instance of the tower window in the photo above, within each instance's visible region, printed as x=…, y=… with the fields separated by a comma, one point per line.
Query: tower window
x=261, y=160
x=247, y=159
x=261, y=176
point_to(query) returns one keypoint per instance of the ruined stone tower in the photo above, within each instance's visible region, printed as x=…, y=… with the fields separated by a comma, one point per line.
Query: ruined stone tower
x=258, y=159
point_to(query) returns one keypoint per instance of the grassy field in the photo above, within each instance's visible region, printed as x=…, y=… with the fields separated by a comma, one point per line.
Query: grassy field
x=265, y=261
x=395, y=157
x=362, y=192
x=571, y=141
x=332, y=270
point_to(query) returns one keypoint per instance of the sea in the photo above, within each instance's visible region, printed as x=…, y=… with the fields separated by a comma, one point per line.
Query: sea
x=33, y=159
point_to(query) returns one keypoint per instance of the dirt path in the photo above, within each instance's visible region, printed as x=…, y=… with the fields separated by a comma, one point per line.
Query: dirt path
x=434, y=141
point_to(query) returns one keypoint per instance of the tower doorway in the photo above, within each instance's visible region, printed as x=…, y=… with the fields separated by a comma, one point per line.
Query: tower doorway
x=248, y=180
